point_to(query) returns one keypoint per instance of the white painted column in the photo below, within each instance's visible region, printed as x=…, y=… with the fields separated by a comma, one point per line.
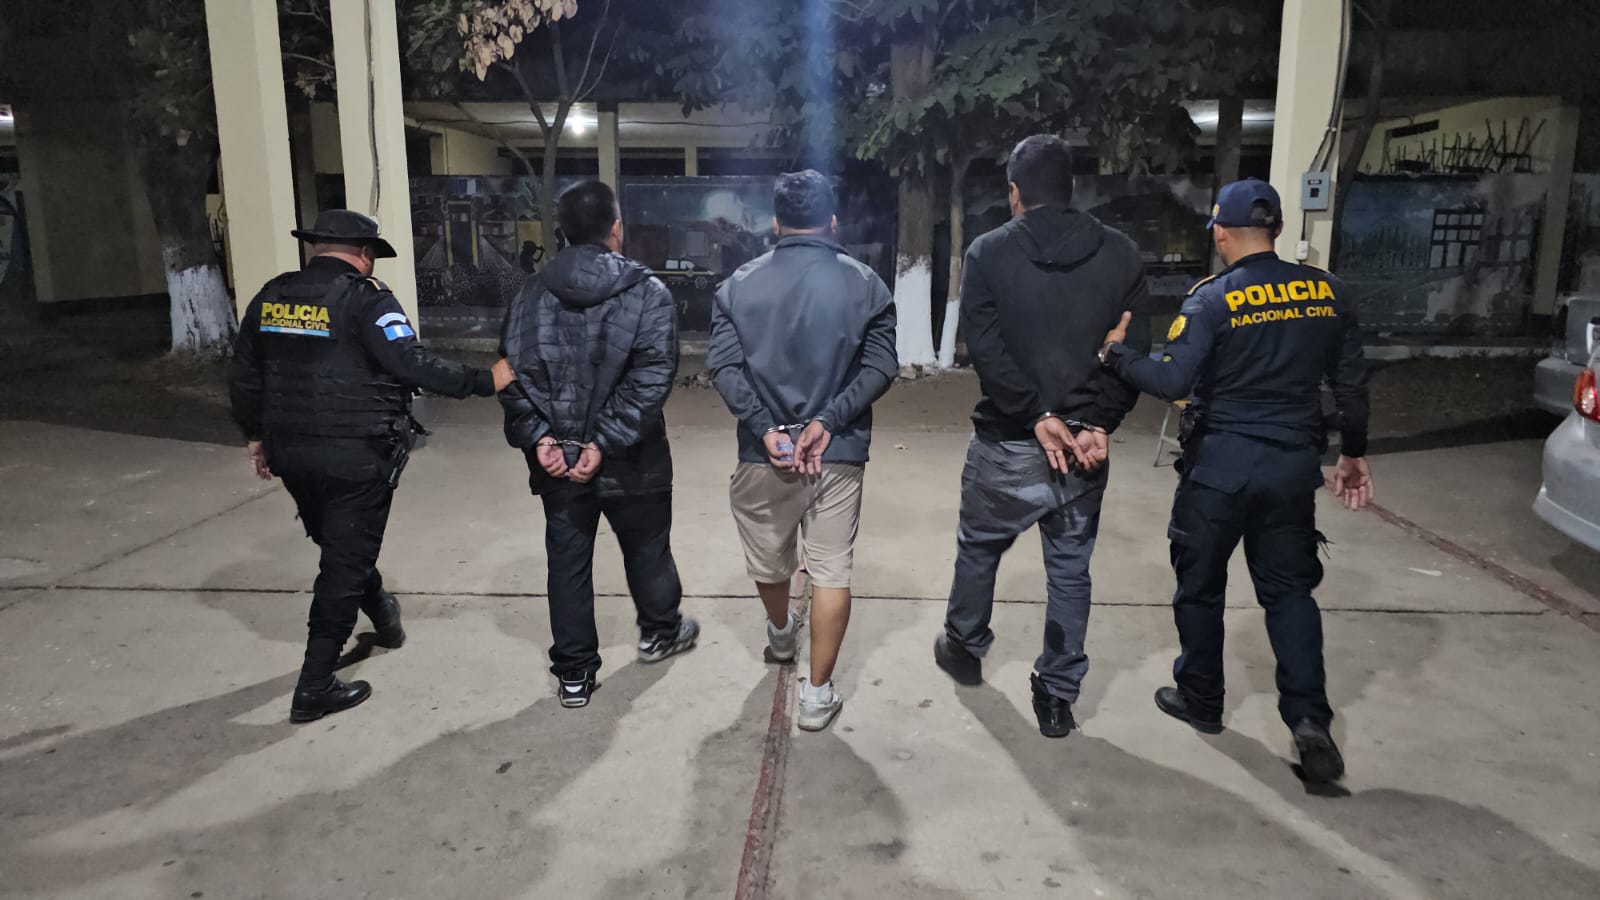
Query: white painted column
x=253, y=131
x=372, y=133
x=1308, y=74
x=608, y=140
x=1553, y=233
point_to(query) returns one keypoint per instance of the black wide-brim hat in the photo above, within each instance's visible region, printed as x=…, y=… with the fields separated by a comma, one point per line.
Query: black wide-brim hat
x=346, y=226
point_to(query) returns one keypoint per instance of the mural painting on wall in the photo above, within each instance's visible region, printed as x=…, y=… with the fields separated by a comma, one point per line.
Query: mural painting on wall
x=1443, y=254
x=1580, y=250
x=476, y=237
x=1166, y=218
x=16, y=281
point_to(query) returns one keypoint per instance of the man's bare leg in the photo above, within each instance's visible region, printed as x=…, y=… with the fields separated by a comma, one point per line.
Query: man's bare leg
x=775, y=597
x=830, y=616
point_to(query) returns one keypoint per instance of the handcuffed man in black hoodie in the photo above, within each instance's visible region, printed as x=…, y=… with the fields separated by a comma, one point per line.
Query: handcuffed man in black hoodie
x=594, y=342
x=1035, y=294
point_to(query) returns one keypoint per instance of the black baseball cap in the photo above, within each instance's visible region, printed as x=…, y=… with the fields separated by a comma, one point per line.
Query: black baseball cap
x=1236, y=202
x=346, y=226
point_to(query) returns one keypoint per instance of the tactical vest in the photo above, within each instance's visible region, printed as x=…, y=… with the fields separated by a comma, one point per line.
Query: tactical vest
x=319, y=378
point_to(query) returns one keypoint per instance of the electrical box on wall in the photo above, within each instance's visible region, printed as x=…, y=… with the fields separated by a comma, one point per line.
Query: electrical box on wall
x=1316, y=192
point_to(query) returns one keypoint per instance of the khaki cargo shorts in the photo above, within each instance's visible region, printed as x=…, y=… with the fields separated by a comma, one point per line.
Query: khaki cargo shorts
x=782, y=515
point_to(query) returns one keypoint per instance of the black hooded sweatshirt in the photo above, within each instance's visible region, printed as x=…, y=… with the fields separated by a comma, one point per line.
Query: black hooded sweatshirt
x=594, y=342
x=1038, y=295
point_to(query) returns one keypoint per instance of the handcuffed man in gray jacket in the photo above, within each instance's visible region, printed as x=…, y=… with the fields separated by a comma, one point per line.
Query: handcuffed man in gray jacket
x=802, y=343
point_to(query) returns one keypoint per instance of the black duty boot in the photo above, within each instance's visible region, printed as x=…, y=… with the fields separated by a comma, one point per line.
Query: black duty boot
x=384, y=611
x=957, y=661
x=311, y=704
x=1320, y=760
x=1055, y=714
x=1171, y=701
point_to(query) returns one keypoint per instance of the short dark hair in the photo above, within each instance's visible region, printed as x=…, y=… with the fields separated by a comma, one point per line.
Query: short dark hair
x=1041, y=168
x=804, y=200
x=587, y=211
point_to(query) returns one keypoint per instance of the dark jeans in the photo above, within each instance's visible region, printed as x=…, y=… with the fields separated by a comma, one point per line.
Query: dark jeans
x=1006, y=488
x=1264, y=493
x=643, y=525
x=341, y=490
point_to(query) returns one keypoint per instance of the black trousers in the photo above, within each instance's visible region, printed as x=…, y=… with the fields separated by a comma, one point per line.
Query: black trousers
x=1237, y=488
x=643, y=526
x=341, y=489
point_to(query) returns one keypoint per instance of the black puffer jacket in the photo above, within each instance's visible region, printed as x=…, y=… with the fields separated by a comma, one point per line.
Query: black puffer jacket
x=594, y=341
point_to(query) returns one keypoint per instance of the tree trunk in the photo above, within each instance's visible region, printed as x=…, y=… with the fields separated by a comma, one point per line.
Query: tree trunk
x=958, y=237
x=1349, y=165
x=1230, y=138
x=911, y=78
x=175, y=180
x=547, y=179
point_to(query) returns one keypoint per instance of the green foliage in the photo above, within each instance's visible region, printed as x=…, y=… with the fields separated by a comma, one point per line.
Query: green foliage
x=169, y=57
x=1113, y=71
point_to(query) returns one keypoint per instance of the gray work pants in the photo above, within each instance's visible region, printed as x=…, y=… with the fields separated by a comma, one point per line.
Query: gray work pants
x=1006, y=488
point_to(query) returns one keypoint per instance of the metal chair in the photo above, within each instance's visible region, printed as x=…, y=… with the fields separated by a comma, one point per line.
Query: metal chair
x=1164, y=444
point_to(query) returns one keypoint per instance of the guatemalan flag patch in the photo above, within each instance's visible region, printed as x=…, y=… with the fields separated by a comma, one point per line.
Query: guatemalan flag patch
x=395, y=327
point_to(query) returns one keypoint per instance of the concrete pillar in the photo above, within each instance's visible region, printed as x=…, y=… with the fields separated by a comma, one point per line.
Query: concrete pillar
x=30, y=162
x=372, y=133
x=253, y=130
x=608, y=139
x=1308, y=72
x=691, y=162
x=1553, y=232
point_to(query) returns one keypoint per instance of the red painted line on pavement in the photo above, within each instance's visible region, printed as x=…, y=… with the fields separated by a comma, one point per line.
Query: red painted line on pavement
x=1518, y=583
x=755, y=866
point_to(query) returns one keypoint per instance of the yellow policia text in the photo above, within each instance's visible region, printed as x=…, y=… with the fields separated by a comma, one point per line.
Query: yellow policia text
x=1292, y=292
x=307, y=319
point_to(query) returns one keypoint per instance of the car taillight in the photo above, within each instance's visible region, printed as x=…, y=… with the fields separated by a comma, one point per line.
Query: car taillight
x=1585, y=397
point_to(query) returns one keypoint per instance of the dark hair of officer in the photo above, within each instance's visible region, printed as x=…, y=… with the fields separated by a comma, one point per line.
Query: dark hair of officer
x=1041, y=171
x=587, y=213
x=804, y=201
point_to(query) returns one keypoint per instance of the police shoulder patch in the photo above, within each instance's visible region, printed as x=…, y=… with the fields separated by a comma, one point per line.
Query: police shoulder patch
x=1178, y=325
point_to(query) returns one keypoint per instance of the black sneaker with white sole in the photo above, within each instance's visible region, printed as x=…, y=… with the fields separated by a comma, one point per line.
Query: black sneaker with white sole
x=576, y=688
x=655, y=648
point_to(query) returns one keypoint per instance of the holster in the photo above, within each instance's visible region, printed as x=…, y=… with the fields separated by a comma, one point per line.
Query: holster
x=403, y=432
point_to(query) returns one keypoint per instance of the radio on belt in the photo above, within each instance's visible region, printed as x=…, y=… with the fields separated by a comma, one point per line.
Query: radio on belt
x=1316, y=190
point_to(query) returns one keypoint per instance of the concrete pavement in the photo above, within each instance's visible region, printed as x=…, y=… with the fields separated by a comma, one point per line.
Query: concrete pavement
x=152, y=602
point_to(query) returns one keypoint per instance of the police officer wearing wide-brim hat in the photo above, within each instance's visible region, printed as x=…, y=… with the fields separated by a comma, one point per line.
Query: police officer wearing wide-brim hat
x=1254, y=344
x=323, y=372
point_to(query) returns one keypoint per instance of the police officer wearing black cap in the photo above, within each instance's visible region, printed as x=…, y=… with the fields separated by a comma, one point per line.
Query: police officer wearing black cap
x=323, y=372
x=1254, y=344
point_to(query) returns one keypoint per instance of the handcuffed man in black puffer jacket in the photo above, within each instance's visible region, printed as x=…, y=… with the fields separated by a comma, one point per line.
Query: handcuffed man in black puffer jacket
x=594, y=342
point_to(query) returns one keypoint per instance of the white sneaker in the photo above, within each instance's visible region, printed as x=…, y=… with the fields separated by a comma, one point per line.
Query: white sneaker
x=782, y=643
x=816, y=712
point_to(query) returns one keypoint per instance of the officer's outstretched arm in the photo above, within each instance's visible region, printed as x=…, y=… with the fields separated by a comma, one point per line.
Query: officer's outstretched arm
x=1189, y=344
x=389, y=337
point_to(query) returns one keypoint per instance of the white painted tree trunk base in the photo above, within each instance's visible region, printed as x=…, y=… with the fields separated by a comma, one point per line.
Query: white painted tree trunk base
x=202, y=313
x=913, y=301
x=947, y=339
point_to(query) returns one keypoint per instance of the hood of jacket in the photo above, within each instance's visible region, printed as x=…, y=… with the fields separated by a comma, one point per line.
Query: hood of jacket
x=1058, y=236
x=587, y=275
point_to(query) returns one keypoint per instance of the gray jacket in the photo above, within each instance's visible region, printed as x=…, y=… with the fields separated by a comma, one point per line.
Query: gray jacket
x=804, y=332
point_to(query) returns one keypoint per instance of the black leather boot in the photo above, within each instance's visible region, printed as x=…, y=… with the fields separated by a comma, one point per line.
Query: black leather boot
x=1171, y=701
x=383, y=608
x=1055, y=714
x=1320, y=760
x=311, y=704
x=957, y=662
